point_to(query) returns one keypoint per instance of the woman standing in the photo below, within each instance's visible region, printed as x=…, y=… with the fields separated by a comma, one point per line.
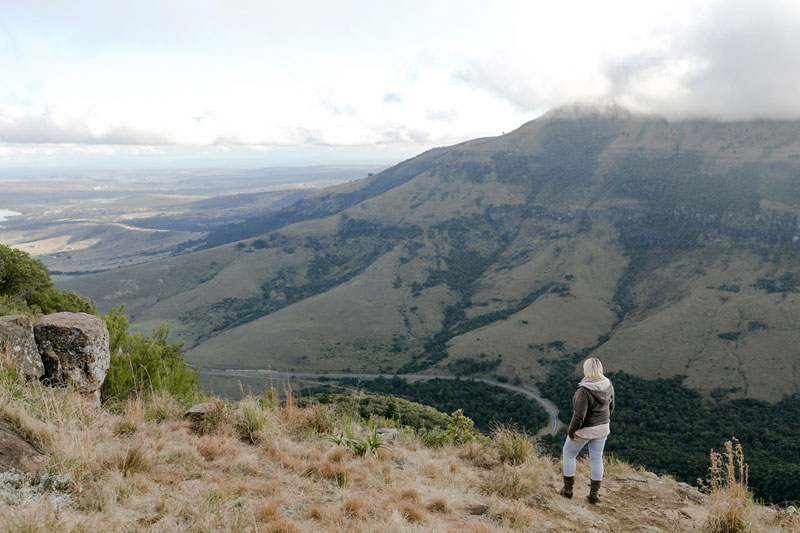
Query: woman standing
x=592, y=406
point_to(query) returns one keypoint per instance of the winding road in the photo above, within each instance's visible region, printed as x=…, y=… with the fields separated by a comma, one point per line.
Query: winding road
x=555, y=424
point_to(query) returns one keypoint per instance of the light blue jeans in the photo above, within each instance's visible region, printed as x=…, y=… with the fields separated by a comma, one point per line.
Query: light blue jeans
x=571, y=450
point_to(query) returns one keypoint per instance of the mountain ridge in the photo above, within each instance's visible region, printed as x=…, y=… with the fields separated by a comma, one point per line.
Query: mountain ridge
x=606, y=227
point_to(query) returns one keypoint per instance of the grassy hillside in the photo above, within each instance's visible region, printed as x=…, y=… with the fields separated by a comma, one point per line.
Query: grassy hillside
x=265, y=465
x=669, y=248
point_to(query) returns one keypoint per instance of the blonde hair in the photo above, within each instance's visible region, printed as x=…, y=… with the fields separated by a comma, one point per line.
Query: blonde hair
x=593, y=369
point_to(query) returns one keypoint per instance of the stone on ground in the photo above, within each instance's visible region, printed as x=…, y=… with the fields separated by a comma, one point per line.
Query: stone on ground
x=18, y=346
x=17, y=454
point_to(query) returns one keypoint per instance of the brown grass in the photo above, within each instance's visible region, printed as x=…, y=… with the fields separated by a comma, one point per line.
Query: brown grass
x=143, y=468
x=730, y=497
x=438, y=505
x=355, y=508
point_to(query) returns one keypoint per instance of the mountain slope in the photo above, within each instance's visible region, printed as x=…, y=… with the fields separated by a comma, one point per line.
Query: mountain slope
x=663, y=248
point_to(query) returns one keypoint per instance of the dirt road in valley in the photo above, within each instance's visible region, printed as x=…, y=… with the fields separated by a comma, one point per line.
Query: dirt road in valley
x=551, y=409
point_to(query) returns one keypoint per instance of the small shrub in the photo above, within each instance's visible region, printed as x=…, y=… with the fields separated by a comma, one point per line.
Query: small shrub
x=364, y=445
x=515, y=447
x=251, y=419
x=142, y=366
x=162, y=406
x=460, y=429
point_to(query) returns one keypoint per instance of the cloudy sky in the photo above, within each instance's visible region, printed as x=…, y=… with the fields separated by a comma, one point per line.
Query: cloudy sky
x=263, y=83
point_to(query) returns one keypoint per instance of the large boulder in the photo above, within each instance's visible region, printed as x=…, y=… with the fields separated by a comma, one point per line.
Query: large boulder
x=18, y=347
x=74, y=349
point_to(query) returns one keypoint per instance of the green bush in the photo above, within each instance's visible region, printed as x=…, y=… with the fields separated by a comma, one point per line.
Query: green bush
x=26, y=288
x=460, y=430
x=142, y=366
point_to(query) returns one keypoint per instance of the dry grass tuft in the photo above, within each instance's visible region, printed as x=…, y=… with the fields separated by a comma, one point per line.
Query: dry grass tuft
x=518, y=482
x=251, y=420
x=612, y=465
x=162, y=407
x=437, y=505
x=134, y=457
x=268, y=509
x=328, y=470
x=282, y=525
x=213, y=447
x=730, y=498
x=514, y=447
x=337, y=455
x=409, y=495
x=132, y=419
x=355, y=508
x=514, y=514
x=411, y=512
x=316, y=512
x=480, y=454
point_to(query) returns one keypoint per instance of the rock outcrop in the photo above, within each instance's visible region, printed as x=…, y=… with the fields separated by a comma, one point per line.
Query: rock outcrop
x=18, y=346
x=17, y=454
x=74, y=349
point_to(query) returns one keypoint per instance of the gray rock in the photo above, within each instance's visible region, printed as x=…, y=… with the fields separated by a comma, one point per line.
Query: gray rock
x=387, y=435
x=74, y=348
x=690, y=492
x=631, y=477
x=197, y=413
x=18, y=346
x=18, y=454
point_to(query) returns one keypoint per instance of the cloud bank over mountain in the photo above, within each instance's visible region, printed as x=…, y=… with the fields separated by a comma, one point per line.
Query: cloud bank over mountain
x=255, y=74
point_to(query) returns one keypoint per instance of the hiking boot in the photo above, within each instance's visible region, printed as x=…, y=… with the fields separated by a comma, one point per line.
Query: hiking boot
x=593, y=490
x=569, y=481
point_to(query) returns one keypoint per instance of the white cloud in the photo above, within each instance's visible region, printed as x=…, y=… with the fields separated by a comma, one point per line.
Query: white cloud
x=360, y=74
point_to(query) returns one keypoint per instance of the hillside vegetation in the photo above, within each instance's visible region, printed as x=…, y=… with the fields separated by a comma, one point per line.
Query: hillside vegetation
x=668, y=248
x=266, y=465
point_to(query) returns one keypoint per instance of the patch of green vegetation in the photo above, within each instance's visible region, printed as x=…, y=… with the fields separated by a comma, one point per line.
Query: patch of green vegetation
x=26, y=288
x=468, y=365
x=730, y=335
x=337, y=259
x=144, y=365
x=486, y=404
x=727, y=288
x=786, y=282
x=402, y=411
x=670, y=428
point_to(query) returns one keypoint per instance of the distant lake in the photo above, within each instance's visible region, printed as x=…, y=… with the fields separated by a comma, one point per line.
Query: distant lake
x=4, y=214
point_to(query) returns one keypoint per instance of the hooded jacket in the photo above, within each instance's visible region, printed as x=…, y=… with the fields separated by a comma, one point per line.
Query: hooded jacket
x=592, y=404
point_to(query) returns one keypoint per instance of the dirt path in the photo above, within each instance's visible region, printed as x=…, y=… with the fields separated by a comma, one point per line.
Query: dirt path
x=551, y=409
